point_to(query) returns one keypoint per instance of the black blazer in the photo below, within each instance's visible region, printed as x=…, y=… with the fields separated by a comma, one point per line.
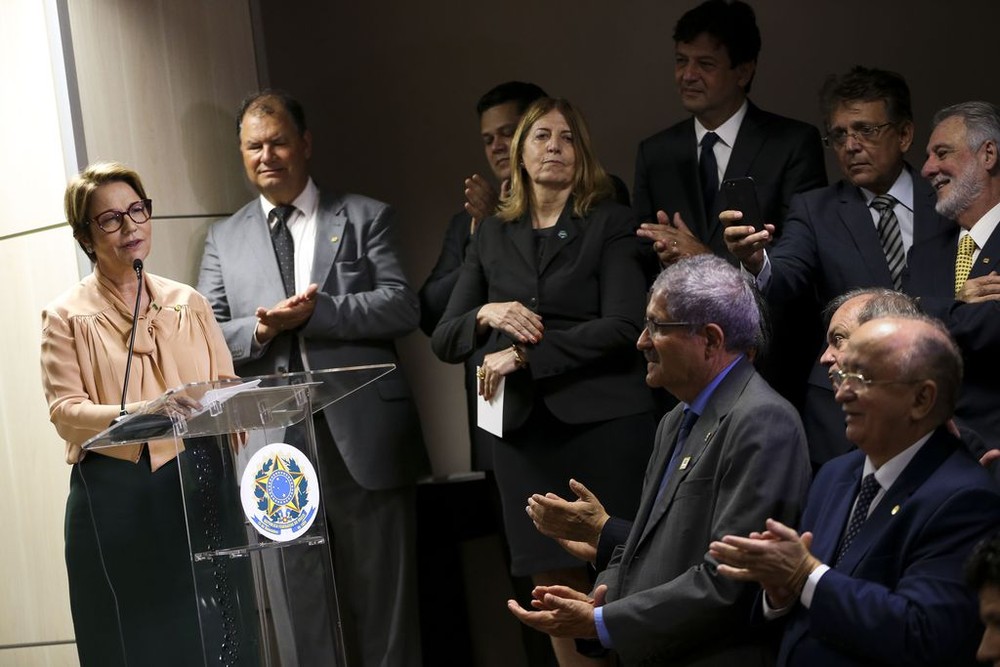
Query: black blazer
x=590, y=291
x=783, y=156
x=930, y=276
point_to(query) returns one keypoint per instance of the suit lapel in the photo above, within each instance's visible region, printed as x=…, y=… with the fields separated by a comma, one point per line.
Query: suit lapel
x=987, y=259
x=568, y=229
x=685, y=156
x=893, y=503
x=833, y=513
x=855, y=216
x=927, y=223
x=749, y=142
x=330, y=222
x=699, y=440
x=520, y=235
x=253, y=241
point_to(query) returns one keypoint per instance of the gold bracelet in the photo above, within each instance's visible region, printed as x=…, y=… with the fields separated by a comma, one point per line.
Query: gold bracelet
x=520, y=361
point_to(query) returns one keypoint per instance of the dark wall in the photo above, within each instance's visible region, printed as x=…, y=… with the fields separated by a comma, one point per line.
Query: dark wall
x=390, y=90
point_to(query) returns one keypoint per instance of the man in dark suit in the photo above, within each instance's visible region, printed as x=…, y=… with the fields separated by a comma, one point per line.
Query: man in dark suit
x=677, y=177
x=876, y=574
x=963, y=167
x=731, y=454
x=831, y=241
x=326, y=262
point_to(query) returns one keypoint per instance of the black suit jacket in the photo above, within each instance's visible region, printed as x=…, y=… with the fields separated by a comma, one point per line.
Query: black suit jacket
x=976, y=326
x=831, y=246
x=590, y=291
x=783, y=156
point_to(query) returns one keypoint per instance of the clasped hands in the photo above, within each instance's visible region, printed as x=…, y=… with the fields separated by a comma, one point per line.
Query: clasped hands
x=481, y=199
x=287, y=314
x=778, y=559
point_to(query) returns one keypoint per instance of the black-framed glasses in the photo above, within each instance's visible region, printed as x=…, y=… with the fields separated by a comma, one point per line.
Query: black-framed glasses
x=864, y=133
x=857, y=382
x=656, y=327
x=111, y=221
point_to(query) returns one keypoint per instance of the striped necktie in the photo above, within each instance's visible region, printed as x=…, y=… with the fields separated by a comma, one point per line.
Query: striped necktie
x=890, y=237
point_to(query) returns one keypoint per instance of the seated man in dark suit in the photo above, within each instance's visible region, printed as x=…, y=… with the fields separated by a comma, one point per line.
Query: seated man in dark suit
x=982, y=573
x=876, y=574
x=954, y=272
x=731, y=454
x=853, y=234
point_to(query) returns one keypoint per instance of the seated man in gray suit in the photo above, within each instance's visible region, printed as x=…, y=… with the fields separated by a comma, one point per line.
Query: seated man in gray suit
x=302, y=278
x=731, y=453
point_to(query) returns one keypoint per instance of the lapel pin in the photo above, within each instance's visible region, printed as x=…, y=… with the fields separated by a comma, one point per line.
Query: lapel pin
x=895, y=510
x=334, y=239
x=562, y=234
x=684, y=463
x=986, y=260
x=708, y=436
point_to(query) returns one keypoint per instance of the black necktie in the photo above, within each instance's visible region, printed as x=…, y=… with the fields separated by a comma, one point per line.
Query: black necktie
x=709, y=171
x=284, y=248
x=687, y=423
x=890, y=237
x=869, y=489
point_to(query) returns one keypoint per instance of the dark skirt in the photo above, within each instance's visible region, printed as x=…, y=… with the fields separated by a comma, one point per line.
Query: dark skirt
x=130, y=571
x=607, y=457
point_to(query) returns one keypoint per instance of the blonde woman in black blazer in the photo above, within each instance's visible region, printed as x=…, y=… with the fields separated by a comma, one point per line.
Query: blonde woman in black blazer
x=553, y=287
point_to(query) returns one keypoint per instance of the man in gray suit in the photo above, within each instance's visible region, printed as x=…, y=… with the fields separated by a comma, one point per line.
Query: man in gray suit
x=730, y=453
x=306, y=279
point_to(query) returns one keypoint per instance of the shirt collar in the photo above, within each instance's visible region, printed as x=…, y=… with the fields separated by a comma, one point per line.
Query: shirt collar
x=902, y=189
x=306, y=202
x=983, y=229
x=727, y=131
x=891, y=469
x=700, y=401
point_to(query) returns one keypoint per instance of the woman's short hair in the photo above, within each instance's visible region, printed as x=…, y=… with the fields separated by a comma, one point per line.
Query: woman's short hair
x=590, y=182
x=81, y=190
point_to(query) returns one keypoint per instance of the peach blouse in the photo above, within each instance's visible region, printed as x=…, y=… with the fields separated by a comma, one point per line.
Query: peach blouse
x=85, y=335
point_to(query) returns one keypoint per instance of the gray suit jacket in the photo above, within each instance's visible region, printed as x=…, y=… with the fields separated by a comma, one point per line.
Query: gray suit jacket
x=364, y=304
x=666, y=604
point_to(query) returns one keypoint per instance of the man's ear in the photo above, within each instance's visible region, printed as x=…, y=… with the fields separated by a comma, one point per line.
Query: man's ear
x=924, y=400
x=715, y=339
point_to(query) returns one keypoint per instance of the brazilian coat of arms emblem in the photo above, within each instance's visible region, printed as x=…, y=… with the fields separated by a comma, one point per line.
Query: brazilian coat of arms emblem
x=279, y=492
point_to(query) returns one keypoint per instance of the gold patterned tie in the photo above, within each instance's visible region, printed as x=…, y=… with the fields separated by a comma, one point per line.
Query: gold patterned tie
x=963, y=261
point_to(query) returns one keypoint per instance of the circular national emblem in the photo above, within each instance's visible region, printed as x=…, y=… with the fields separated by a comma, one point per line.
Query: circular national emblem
x=279, y=492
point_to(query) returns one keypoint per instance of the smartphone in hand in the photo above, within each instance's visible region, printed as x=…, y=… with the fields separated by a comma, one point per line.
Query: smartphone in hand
x=741, y=195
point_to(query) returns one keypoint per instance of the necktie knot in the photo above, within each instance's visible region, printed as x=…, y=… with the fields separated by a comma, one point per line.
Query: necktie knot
x=281, y=214
x=882, y=203
x=709, y=140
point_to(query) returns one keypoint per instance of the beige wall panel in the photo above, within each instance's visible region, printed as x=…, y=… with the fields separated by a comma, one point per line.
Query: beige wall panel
x=159, y=81
x=29, y=133
x=177, y=247
x=41, y=656
x=34, y=606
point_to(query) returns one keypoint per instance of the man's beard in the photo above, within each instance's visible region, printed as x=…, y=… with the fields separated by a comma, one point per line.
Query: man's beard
x=963, y=191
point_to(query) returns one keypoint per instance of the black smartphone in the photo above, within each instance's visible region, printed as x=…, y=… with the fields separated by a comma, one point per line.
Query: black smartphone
x=741, y=195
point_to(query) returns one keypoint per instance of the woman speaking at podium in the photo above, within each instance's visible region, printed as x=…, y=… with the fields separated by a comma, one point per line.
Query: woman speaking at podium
x=127, y=553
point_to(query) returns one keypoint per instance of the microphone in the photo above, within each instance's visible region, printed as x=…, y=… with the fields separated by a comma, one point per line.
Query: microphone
x=137, y=267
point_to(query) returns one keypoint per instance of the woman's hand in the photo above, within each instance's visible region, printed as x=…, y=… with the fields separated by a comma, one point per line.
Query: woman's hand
x=495, y=366
x=513, y=318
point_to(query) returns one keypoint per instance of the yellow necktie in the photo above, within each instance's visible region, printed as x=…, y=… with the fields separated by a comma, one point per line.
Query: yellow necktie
x=963, y=261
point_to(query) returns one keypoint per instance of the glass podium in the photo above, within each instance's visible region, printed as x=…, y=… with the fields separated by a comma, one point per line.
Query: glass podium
x=253, y=507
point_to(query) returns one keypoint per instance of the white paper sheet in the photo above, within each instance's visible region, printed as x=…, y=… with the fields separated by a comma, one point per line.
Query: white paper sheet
x=489, y=414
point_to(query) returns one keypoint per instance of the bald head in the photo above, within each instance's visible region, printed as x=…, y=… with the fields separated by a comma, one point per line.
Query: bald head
x=903, y=374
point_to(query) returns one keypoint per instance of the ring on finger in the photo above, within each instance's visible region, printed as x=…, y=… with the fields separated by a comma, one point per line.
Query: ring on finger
x=481, y=372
